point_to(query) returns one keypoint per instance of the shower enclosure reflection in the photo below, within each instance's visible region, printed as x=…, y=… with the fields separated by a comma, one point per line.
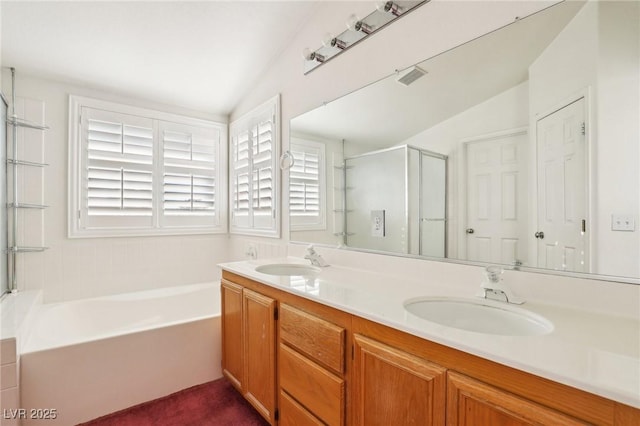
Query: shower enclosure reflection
x=396, y=201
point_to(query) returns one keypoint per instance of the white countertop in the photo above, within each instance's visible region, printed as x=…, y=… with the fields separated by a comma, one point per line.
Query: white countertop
x=595, y=352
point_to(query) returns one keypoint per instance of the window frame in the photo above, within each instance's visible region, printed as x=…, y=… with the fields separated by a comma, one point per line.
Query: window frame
x=240, y=125
x=77, y=161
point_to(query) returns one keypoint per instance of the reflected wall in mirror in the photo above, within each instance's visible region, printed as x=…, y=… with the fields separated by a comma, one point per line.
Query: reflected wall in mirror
x=535, y=131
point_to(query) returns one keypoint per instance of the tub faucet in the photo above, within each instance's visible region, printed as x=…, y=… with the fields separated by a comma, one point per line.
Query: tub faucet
x=315, y=258
x=493, y=288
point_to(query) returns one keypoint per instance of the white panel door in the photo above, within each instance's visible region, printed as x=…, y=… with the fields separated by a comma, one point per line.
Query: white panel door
x=562, y=189
x=496, y=199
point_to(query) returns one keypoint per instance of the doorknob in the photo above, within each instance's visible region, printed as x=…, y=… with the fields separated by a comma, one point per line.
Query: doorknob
x=469, y=231
x=539, y=235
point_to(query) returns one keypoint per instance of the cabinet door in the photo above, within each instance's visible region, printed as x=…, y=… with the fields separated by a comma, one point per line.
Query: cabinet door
x=259, y=353
x=232, y=338
x=392, y=387
x=473, y=403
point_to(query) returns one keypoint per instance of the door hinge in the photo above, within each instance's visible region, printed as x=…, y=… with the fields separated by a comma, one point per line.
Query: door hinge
x=276, y=414
x=584, y=128
x=584, y=226
x=275, y=314
x=353, y=352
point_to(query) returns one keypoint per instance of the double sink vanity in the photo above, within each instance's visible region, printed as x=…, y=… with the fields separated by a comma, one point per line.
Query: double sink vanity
x=310, y=345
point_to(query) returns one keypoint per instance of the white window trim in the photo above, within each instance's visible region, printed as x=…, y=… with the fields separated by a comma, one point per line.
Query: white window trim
x=243, y=121
x=321, y=223
x=74, y=228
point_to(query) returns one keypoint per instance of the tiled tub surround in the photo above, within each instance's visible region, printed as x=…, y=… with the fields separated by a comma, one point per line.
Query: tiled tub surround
x=91, y=357
x=598, y=352
x=15, y=315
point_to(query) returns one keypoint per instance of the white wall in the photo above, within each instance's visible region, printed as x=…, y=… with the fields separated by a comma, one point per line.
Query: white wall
x=598, y=53
x=77, y=268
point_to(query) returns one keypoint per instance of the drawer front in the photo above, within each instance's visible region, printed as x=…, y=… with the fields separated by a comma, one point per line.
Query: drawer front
x=318, y=339
x=294, y=414
x=318, y=390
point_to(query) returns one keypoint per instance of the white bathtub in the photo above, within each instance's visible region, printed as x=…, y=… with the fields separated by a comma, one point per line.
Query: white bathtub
x=88, y=358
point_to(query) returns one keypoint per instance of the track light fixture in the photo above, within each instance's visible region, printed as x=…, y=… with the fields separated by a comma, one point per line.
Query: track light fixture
x=358, y=29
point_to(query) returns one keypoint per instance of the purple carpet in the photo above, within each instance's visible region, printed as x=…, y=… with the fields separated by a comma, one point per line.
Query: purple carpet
x=212, y=403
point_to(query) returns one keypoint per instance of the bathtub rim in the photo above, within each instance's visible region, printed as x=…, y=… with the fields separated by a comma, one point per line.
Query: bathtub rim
x=28, y=331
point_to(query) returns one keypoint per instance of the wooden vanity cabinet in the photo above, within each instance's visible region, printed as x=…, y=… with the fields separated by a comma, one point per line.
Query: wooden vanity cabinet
x=316, y=365
x=475, y=392
x=248, y=345
x=393, y=387
x=471, y=402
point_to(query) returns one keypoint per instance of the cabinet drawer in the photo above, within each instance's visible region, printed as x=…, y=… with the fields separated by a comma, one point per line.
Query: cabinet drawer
x=320, y=340
x=294, y=414
x=318, y=390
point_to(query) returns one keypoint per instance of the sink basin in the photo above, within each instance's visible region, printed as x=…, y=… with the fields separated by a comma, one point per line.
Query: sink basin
x=479, y=315
x=288, y=269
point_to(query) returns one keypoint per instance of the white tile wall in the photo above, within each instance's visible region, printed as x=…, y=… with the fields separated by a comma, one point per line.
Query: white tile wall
x=7, y=351
x=9, y=391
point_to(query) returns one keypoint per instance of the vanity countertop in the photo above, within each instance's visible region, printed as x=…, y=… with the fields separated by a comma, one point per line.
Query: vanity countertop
x=595, y=352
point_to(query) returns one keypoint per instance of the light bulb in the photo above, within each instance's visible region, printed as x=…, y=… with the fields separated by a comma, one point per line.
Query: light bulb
x=389, y=7
x=327, y=40
x=331, y=41
x=310, y=55
x=354, y=24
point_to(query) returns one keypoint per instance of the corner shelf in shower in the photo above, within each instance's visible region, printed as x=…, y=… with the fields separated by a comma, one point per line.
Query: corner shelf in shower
x=14, y=205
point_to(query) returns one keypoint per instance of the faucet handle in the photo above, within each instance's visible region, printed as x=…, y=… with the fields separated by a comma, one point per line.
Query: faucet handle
x=494, y=273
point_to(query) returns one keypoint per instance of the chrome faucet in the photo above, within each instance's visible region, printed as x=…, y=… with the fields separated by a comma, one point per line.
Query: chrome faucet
x=252, y=252
x=315, y=258
x=493, y=288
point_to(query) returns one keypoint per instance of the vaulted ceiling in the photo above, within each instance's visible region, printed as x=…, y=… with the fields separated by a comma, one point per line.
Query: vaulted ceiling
x=200, y=55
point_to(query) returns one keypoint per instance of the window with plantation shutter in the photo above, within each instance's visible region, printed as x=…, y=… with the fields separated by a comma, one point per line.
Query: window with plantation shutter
x=119, y=169
x=307, y=186
x=189, y=174
x=142, y=172
x=253, y=188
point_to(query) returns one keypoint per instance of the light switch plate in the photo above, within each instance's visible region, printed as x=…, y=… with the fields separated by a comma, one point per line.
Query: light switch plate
x=622, y=222
x=377, y=223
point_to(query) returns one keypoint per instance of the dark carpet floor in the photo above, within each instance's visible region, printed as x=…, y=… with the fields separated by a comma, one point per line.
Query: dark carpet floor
x=213, y=403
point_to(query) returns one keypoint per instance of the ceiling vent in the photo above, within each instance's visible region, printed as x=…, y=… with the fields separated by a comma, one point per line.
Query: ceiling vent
x=410, y=75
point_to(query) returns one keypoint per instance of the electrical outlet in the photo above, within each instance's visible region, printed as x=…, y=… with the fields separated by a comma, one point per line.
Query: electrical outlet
x=377, y=223
x=623, y=222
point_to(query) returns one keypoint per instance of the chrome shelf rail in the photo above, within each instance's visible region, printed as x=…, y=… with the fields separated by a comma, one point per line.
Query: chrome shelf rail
x=14, y=248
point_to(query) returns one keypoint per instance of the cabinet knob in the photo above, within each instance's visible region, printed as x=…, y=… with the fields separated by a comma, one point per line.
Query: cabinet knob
x=469, y=231
x=539, y=235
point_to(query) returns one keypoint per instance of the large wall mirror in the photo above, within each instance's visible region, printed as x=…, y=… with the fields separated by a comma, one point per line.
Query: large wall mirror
x=521, y=148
